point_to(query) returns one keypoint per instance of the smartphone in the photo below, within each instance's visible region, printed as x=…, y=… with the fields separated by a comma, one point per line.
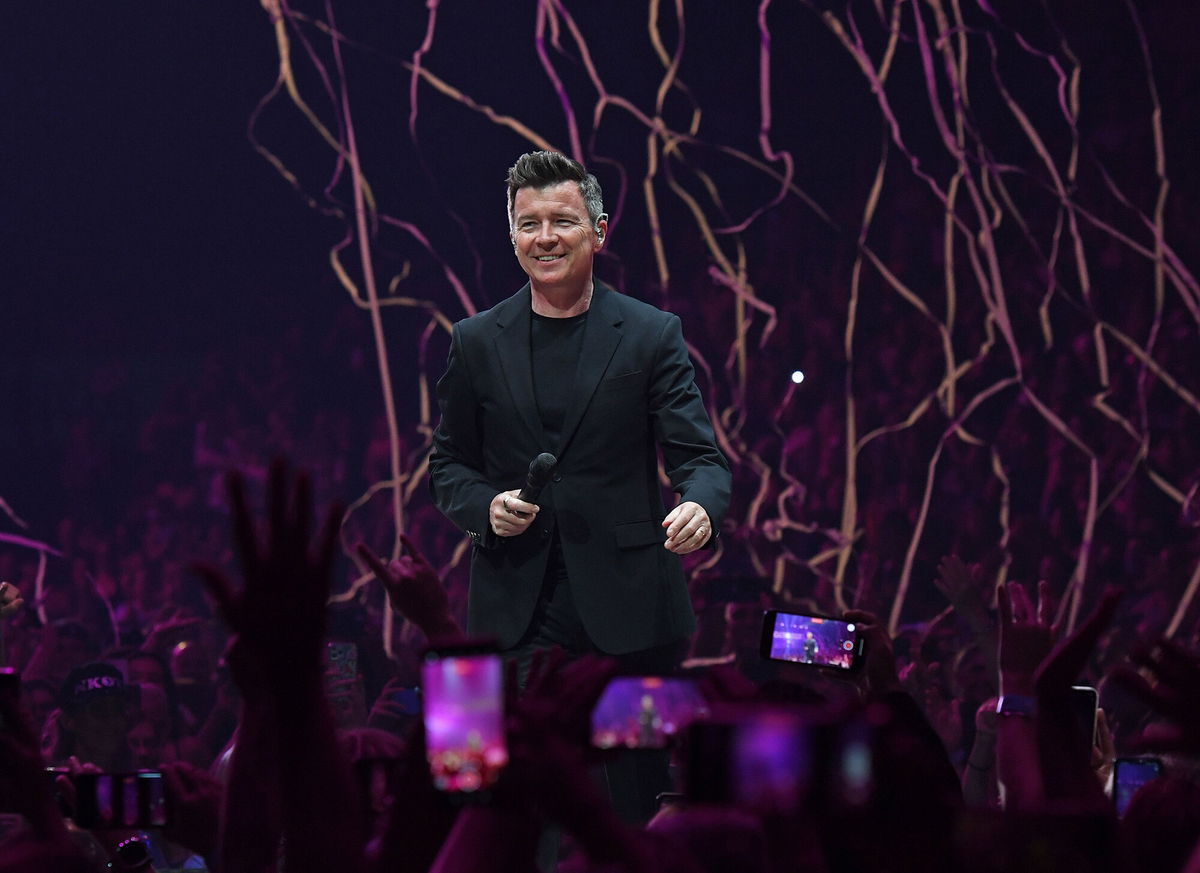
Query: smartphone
x=120, y=800
x=10, y=691
x=815, y=640
x=1085, y=701
x=1130, y=774
x=760, y=761
x=645, y=712
x=773, y=760
x=668, y=798
x=462, y=689
x=341, y=661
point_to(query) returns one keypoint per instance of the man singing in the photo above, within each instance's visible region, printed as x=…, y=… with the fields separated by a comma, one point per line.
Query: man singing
x=602, y=381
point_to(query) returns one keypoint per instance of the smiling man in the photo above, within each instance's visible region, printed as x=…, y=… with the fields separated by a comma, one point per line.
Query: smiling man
x=603, y=382
x=568, y=365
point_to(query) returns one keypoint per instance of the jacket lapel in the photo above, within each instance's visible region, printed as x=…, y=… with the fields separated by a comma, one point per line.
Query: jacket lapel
x=515, y=360
x=601, y=337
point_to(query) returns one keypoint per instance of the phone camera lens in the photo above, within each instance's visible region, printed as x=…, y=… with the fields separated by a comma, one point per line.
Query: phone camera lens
x=133, y=854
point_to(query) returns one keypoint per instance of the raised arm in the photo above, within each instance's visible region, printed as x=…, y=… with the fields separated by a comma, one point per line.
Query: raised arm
x=1171, y=688
x=414, y=590
x=964, y=586
x=278, y=620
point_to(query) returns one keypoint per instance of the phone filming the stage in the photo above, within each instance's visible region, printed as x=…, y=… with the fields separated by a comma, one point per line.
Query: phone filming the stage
x=812, y=640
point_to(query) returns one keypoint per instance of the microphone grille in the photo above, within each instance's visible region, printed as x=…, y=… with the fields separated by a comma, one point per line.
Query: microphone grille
x=542, y=465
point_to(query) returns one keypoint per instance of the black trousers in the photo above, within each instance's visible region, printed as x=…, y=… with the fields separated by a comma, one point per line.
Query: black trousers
x=632, y=779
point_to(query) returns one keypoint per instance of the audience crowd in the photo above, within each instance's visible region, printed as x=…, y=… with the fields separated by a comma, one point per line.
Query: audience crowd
x=282, y=747
x=275, y=756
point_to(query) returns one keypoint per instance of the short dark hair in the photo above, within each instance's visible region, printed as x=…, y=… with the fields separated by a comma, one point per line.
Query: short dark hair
x=541, y=169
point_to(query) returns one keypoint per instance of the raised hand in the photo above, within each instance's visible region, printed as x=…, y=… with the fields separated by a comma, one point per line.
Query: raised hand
x=1172, y=690
x=1035, y=750
x=965, y=587
x=1066, y=662
x=10, y=599
x=879, y=672
x=169, y=632
x=1026, y=635
x=278, y=617
x=958, y=581
x=414, y=589
x=287, y=756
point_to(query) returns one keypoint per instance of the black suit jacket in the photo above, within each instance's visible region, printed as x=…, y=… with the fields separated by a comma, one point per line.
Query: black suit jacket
x=633, y=392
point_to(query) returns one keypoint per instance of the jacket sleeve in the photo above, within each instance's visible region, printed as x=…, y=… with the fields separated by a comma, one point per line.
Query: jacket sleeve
x=694, y=465
x=456, y=466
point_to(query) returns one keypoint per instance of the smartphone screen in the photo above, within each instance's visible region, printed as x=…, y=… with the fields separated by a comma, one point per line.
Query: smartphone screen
x=120, y=800
x=810, y=639
x=645, y=712
x=129, y=800
x=341, y=660
x=95, y=801
x=152, y=799
x=1129, y=775
x=343, y=686
x=463, y=694
x=761, y=762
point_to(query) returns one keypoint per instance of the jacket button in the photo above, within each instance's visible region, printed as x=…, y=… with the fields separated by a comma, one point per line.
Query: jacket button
x=558, y=477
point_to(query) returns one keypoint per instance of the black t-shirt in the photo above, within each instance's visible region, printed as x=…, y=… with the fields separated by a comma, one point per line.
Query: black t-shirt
x=556, y=345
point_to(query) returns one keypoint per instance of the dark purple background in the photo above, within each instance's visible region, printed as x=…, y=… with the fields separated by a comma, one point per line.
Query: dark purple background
x=154, y=265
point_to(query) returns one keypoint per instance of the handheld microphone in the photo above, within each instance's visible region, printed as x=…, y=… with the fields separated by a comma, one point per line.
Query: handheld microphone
x=541, y=470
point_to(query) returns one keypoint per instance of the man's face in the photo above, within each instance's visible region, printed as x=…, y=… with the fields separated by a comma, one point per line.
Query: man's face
x=103, y=722
x=41, y=703
x=145, y=745
x=146, y=671
x=553, y=237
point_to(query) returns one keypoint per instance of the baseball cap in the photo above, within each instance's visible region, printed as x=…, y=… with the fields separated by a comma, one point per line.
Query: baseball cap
x=93, y=682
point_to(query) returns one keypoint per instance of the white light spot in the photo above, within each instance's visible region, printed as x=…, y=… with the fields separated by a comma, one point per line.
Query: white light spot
x=797, y=376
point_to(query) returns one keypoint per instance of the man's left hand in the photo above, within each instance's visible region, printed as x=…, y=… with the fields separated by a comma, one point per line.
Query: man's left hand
x=688, y=528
